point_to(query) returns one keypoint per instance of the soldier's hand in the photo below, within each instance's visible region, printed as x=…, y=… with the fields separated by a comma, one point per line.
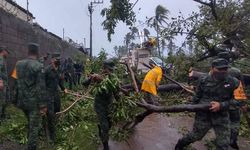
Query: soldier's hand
x=215, y=106
x=96, y=77
x=1, y=85
x=65, y=91
x=43, y=111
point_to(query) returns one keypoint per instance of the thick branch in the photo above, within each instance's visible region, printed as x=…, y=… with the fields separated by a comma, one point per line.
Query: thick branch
x=212, y=5
x=202, y=2
x=175, y=108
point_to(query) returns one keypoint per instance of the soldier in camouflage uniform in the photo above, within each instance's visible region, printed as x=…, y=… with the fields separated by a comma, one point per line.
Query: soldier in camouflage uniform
x=53, y=78
x=3, y=81
x=216, y=88
x=234, y=111
x=70, y=72
x=104, y=99
x=30, y=84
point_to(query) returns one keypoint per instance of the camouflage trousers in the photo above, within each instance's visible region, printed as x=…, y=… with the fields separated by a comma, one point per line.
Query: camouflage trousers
x=54, y=106
x=234, y=116
x=204, y=121
x=102, y=110
x=34, y=126
x=3, y=103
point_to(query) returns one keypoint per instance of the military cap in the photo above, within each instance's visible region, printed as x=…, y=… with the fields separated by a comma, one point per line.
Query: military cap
x=220, y=63
x=225, y=55
x=4, y=48
x=56, y=55
x=109, y=63
x=33, y=48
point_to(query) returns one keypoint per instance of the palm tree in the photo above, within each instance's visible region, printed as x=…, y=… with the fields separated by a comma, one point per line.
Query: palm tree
x=157, y=21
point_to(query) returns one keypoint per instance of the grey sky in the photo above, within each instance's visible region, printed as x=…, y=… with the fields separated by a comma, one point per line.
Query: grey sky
x=72, y=15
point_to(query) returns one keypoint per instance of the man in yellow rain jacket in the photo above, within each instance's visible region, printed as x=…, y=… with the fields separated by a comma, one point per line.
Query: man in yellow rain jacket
x=151, y=82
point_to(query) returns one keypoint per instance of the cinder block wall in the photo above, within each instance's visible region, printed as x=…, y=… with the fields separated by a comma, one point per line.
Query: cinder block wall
x=16, y=34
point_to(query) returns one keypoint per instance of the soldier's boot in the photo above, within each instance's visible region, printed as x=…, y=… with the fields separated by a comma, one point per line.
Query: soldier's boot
x=105, y=146
x=179, y=146
x=233, y=140
x=234, y=145
x=31, y=147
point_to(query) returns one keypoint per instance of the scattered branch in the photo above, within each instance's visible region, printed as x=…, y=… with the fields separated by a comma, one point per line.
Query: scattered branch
x=79, y=98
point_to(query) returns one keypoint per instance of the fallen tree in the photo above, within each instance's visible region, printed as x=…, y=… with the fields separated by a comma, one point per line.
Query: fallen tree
x=162, y=88
x=195, y=75
x=163, y=109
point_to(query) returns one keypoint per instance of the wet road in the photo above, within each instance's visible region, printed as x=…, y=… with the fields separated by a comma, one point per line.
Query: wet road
x=160, y=132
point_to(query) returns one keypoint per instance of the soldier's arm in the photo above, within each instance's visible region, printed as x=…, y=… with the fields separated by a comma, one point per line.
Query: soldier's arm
x=198, y=92
x=42, y=102
x=61, y=84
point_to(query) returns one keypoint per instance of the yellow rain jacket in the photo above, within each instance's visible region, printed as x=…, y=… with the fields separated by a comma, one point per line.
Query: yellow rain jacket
x=152, y=80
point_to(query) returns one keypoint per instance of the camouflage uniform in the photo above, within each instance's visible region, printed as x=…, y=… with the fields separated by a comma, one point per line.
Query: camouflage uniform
x=103, y=102
x=53, y=80
x=234, y=111
x=209, y=90
x=30, y=83
x=3, y=93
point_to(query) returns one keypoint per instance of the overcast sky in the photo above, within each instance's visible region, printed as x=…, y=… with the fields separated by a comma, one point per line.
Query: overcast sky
x=72, y=15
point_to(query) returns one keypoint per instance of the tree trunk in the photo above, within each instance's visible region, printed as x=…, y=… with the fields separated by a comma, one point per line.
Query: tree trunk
x=175, y=108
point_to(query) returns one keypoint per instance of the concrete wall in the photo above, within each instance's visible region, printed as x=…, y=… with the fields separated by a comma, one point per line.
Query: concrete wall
x=16, y=34
x=16, y=11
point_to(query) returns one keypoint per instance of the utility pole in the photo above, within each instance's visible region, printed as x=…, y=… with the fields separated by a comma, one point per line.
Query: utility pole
x=27, y=10
x=91, y=10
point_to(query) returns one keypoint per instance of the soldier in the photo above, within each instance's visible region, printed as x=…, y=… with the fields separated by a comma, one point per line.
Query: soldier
x=151, y=83
x=3, y=81
x=78, y=72
x=30, y=84
x=69, y=72
x=234, y=111
x=104, y=98
x=53, y=79
x=216, y=88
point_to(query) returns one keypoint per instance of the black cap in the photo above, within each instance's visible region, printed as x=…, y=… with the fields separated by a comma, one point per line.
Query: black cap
x=33, y=48
x=4, y=48
x=220, y=63
x=56, y=55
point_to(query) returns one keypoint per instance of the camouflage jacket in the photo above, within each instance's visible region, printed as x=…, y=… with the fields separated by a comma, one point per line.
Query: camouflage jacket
x=53, y=79
x=208, y=90
x=30, y=84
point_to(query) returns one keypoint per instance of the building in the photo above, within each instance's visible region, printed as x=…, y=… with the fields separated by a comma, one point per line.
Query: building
x=13, y=8
x=136, y=57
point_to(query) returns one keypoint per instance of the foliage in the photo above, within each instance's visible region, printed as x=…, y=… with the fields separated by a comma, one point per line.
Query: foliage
x=120, y=10
x=96, y=64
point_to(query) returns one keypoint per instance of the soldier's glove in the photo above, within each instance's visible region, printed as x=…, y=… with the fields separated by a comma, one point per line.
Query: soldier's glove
x=1, y=85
